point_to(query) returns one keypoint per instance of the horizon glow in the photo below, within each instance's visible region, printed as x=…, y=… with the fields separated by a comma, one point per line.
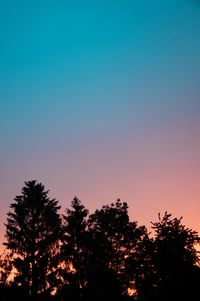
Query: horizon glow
x=101, y=100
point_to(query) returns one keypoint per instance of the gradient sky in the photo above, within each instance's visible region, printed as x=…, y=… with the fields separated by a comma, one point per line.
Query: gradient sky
x=101, y=99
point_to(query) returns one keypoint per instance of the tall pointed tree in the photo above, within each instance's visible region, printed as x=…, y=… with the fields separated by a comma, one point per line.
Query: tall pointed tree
x=32, y=233
x=74, y=244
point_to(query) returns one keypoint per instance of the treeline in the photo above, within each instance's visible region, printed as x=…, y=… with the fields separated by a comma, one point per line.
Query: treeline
x=99, y=256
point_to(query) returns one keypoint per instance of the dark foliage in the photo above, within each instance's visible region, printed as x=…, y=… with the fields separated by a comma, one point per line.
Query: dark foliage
x=82, y=257
x=116, y=239
x=74, y=248
x=168, y=263
x=33, y=232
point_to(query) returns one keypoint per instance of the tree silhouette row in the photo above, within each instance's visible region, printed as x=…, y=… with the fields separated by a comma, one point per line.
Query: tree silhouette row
x=99, y=256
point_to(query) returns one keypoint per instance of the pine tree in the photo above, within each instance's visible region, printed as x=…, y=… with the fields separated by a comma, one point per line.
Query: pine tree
x=74, y=249
x=32, y=233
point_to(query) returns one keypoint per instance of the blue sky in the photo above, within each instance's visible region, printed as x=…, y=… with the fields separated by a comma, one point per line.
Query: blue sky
x=87, y=87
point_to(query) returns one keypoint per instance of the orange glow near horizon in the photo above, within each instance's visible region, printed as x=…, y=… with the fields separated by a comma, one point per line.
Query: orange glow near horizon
x=102, y=110
x=156, y=173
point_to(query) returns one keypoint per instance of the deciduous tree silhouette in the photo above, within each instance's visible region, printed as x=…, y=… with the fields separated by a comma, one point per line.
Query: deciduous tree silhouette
x=175, y=257
x=141, y=266
x=99, y=246
x=168, y=262
x=117, y=238
x=32, y=232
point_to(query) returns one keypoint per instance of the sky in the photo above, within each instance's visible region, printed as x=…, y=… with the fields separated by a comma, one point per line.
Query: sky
x=101, y=99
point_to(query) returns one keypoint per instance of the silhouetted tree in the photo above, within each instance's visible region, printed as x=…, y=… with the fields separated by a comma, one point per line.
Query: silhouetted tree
x=116, y=238
x=175, y=257
x=94, y=257
x=103, y=285
x=141, y=266
x=32, y=232
x=12, y=292
x=167, y=262
x=74, y=249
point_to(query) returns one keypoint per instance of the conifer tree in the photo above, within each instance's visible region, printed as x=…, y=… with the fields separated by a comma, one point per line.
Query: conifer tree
x=32, y=233
x=74, y=246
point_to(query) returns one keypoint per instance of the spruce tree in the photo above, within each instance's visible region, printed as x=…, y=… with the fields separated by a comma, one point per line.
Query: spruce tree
x=74, y=248
x=32, y=233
